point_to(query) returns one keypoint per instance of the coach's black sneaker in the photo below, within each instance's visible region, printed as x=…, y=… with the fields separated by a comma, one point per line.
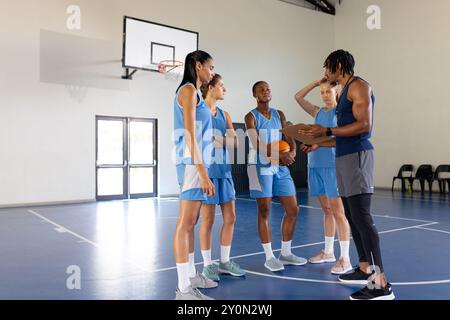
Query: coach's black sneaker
x=356, y=277
x=374, y=294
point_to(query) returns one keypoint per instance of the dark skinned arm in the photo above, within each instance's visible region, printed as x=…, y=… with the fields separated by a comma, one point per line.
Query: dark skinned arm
x=360, y=94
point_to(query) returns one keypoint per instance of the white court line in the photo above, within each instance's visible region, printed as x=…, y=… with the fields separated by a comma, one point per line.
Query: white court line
x=235, y=257
x=172, y=268
x=412, y=199
x=292, y=278
x=407, y=228
x=168, y=218
x=436, y=230
x=341, y=283
x=86, y=240
x=338, y=282
x=60, y=227
x=375, y=196
x=374, y=215
x=323, y=242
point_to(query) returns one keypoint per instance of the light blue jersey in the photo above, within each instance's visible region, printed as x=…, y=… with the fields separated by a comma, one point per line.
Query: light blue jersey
x=220, y=167
x=188, y=177
x=266, y=180
x=203, y=132
x=268, y=132
x=324, y=157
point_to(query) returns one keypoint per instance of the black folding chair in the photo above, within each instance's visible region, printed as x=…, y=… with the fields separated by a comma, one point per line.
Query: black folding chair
x=424, y=173
x=443, y=168
x=404, y=174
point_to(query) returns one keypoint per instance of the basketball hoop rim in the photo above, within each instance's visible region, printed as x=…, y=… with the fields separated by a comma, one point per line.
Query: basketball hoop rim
x=165, y=66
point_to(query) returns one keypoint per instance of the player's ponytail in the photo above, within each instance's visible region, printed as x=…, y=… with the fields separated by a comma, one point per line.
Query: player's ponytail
x=190, y=73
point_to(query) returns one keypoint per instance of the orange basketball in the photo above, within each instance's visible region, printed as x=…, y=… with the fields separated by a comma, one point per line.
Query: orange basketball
x=283, y=146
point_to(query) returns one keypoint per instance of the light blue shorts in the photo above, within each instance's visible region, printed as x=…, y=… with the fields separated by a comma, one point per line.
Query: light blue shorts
x=189, y=181
x=224, y=191
x=268, y=182
x=322, y=182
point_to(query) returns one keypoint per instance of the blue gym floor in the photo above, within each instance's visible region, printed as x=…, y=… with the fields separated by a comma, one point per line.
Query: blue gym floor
x=124, y=250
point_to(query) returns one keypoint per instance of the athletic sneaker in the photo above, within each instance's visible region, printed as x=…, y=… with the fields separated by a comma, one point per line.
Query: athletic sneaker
x=231, y=268
x=192, y=294
x=322, y=257
x=374, y=294
x=273, y=264
x=342, y=266
x=355, y=277
x=211, y=272
x=200, y=281
x=292, y=260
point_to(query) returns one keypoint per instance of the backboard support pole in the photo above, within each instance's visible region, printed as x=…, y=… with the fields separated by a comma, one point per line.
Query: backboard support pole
x=129, y=75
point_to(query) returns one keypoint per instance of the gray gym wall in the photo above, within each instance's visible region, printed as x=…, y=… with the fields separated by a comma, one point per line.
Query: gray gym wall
x=53, y=81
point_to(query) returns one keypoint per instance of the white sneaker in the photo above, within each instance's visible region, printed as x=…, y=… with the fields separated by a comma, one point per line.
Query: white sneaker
x=342, y=266
x=202, y=282
x=292, y=260
x=274, y=264
x=192, y=294
x=322, y=257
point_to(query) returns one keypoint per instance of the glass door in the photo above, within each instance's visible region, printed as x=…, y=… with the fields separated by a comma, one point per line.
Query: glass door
x=142, y=158
x=126, y=165
x=111, y=159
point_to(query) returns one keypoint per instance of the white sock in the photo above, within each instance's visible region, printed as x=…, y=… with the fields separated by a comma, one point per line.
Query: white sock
x=345, y=246
x=329, y=245
x=268, y=250
x=183, y=277
x=207, y=261
x=225, y=253
x=286, y=248
x=192, y=271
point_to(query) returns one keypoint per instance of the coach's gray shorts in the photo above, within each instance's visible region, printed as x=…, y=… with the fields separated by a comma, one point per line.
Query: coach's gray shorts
x=354, y=173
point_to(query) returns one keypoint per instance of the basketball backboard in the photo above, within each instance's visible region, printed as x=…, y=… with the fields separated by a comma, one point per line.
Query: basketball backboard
x=146, y=44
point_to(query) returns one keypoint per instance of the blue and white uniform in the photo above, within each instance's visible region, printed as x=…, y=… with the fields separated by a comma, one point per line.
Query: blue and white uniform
x=188, y=177
x=322, y=162
x=267, y=180
x=220, y=169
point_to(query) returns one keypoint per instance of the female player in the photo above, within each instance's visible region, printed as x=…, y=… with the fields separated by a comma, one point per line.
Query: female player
x=193, y=139
x=220, y=173
x=322, y=179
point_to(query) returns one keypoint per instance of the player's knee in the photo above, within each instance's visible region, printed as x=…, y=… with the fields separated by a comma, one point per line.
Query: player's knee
x=229, y=219
x=187, y=224
x=292, y=211
x=208, y=221
x=339, y=215
x=264, y=212
x=327, y=211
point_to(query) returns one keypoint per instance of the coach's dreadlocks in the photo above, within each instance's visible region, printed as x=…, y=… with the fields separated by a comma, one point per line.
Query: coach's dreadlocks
x=343, y=58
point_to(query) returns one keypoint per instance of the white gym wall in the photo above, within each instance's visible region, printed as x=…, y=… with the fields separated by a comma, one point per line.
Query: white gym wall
x=47, y=133
x=406, y=61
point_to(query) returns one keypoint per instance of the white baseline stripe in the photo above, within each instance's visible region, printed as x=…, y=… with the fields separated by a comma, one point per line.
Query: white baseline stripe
x=374, y=215
x=247, y=255
x=60, y=227
x=413, y=199
x=436, y=230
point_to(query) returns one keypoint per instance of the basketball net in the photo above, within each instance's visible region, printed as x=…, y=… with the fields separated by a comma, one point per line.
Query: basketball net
x=170, y=69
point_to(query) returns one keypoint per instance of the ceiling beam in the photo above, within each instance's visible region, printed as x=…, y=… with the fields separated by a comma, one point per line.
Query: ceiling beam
x=323, y=5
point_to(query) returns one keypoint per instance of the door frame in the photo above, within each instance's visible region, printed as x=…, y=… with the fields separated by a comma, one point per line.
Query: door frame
x=126, y=153
x=155, y=155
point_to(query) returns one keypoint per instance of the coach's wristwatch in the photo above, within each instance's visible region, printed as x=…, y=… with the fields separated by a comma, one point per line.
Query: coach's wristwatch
x=329, y=132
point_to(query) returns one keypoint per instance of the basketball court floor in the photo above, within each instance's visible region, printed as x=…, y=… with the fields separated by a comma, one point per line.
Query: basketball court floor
x=123, y=250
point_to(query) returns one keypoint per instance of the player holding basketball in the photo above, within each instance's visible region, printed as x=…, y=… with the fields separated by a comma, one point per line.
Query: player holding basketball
x=193, y=142
x=322, y=179
x=269, y=176
x=225, y=195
